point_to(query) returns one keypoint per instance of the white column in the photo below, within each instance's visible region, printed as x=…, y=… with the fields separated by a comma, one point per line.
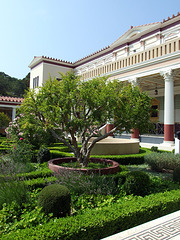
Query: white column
x=13, y=113
x=168, y=107
x=134, y=132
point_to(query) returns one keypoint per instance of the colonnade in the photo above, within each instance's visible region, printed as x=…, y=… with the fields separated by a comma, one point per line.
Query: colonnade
x=168, y=108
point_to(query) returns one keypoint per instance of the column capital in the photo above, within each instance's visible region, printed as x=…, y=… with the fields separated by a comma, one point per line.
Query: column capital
x=167, y=74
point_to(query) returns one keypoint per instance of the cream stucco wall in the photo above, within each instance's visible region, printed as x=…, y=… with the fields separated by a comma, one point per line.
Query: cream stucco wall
x=37, y=71
x=53, y=71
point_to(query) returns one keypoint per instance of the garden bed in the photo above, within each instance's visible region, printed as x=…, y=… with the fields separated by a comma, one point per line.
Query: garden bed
x=55, y=165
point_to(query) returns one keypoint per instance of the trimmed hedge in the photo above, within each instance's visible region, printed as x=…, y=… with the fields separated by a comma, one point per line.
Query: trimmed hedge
x=127, y=159
x=121, y=159
x=59, y=154
x=97, y=224
x=39, y=182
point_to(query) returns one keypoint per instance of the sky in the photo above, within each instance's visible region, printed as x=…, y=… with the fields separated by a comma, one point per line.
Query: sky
x=69, y=29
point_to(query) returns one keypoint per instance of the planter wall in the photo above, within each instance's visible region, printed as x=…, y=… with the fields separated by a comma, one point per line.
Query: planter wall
x=113, y=166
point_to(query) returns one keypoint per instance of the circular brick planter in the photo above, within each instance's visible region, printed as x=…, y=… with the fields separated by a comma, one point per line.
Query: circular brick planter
x=113, y=166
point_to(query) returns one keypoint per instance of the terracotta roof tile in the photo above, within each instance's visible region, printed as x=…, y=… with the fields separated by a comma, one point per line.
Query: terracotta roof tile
x=11, y=99
x=63, y=61
x=55, y=59
x=169, y=18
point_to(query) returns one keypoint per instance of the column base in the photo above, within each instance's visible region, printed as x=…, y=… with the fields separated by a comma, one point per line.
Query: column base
x=168, y=132
x=135, y=134
x=168, y=143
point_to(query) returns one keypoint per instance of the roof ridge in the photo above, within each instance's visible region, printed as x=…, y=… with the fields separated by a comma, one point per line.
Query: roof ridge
x=103, y=49
x=169, y=18
x=11, y=99
x=55, y=59
x=92, y=54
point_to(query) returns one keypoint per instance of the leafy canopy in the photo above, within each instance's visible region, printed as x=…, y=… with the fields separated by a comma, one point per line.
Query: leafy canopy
x=73, y=108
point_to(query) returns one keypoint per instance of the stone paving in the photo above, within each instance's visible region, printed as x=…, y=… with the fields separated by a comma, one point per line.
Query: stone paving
x=164, y=228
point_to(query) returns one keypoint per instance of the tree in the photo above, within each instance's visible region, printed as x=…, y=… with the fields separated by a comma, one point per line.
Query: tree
x=4, y=120
x=72, y=107
x=10, y=86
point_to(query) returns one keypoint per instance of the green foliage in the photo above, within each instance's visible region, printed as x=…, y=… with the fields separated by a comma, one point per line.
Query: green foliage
x=31, y=131
x=4, y=120
x=43, y=155
x=154, y=149
x=137, y=183
x=72, y=108
x=21, y=151
x=176, y=174
x=12, y=190
x=158, y=184
x=10, y=86
x=39, y=182
x=126, y=159
x=55, y=199
x=14, y=217
x=100, y=223
x=79, y=183
x=162, y=161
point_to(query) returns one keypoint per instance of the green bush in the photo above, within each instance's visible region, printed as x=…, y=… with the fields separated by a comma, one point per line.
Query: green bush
x=43, y=155
x=21, y=151
x=176, y=174
x=102, y=222
x=4, y=120
x=154, y=149
x=13, y=190
x=162, y=161
x=126, y=159
x=39, y=182
x=137, y=183
x=55, y=199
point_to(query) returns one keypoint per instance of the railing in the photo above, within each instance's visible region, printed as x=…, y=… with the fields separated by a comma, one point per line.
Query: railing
x=151, y=53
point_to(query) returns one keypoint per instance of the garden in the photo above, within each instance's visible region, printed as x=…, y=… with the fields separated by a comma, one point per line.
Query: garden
x=57, y=122
x=97, y=205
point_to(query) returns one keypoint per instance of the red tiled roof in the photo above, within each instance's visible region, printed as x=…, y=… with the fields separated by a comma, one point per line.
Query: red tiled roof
x=55, y=59
x=63, y=61
x=11, y=99
x=92, y=54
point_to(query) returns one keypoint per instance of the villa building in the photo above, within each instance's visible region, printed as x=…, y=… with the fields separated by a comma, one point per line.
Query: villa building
x=147, y=55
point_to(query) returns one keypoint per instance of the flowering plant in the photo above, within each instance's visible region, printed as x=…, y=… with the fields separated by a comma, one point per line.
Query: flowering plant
x=20, y=129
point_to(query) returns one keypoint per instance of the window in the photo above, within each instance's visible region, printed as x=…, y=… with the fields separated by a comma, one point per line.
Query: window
x=36, y=82
x=155, y=110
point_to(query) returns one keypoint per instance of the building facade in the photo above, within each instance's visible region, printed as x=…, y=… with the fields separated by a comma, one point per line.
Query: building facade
x=147, y=55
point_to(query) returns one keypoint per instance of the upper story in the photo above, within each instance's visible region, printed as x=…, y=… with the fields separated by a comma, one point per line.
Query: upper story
x=137, y=49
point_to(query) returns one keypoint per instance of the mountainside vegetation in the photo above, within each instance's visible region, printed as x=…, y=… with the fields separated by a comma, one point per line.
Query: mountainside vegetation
x=13, y=87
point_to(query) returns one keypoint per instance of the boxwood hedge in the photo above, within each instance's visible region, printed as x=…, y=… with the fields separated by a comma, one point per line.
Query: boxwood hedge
x=97, y=224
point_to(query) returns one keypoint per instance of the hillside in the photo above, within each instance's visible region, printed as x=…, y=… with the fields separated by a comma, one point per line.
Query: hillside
x=10, y=86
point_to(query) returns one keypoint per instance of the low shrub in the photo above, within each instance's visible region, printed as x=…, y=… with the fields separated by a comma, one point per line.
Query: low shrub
x=137, y=183
x=176, y=174
x=21, y=151
x=43, y=155
x=126, y=159
x=154, y=149
x=39, y=182
x=55, y=199
x=79, y=184
x=13, y=190
x=59, y=154
x=105, y=221
x=162, y=161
